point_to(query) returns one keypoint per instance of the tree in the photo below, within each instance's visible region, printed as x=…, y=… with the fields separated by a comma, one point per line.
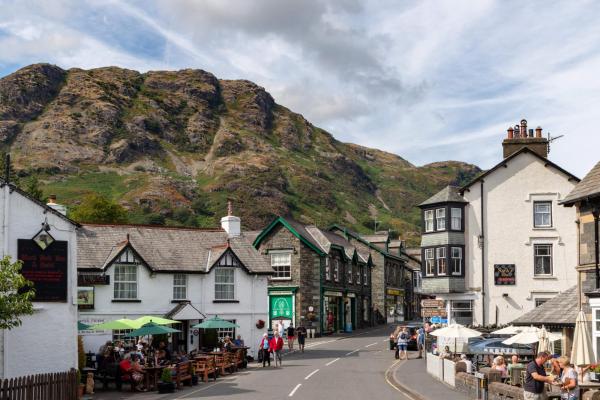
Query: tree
x=32, y=186
x=16, y=294
x=97, y=209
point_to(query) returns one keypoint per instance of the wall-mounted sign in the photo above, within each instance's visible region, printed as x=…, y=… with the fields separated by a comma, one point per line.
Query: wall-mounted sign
x=281, y=306
x=433, y=312
x=85, y=297
x=505, y=274
x=47, y=269
x=88, y=279
x=395, y=292
x=432, y=303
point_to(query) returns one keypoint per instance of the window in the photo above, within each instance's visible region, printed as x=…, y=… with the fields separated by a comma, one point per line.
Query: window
x=365, y=276
x=542, y=214
x=461, y=312
x=456, y=219
x=359, y=274
x=282, y=265
x=222, y=332
x=539, y=302
x=417, y=280
x=456, y=260
x=542, y=259
x=429, y=221
x=429, y=262
x=119, y=335
x=336, y=270
x=440, y=255
x=327, y=269
x=125, y=281
x=440, y=219
x=224, y=283
x=179, y=287
x=350, y=273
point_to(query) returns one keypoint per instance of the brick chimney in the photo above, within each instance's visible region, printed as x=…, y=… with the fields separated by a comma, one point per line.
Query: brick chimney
x=231, y=224
x=518, y=137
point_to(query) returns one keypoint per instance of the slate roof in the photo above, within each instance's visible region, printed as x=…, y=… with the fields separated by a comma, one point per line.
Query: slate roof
x=449, y=194
x=327, y=239
x=344, y=231
x=560, y=310
x=588, y=187
x=377, y=238
x=165, y=249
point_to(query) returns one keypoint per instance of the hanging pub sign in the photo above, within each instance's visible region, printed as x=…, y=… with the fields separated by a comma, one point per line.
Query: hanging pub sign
x=85, y=297
x=505, y=274
x=46, y=267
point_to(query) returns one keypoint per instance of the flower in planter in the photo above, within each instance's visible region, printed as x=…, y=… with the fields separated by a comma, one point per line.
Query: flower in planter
x=166, y=376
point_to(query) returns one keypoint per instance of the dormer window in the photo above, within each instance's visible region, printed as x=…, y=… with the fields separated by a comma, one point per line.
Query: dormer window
x=440, y=219
x=429, y=221
x=125, y=276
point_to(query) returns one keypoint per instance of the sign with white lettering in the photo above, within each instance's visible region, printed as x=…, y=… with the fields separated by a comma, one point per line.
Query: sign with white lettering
x=47, y=268
x=432, y=303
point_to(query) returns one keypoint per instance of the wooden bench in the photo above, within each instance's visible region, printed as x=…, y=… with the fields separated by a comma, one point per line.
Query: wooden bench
x=230, y=362
x=205, y=367
x=240, y=358
x=183, y=373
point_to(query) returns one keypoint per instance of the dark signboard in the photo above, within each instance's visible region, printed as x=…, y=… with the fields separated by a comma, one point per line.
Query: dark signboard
x=47, y=269
x=505, y=274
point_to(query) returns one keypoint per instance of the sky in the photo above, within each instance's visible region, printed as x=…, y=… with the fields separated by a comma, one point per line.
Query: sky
x=429, y=80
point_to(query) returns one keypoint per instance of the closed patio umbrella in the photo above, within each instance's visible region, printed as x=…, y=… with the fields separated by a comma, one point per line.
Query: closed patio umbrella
x=151, y=329
x=215, y=323
x=582, y=352
x=141, y=321
x=544, y=340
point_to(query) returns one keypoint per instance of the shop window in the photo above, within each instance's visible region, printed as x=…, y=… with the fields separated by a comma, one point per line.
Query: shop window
x=429, y=221
x=542, y=259
x=457, y=260
x=125, y=286
x=179, y=287
x=440, y=255
x=440, y=219
x=429, y=262
x=461, y=311
x=282, y=265
x=224, y=283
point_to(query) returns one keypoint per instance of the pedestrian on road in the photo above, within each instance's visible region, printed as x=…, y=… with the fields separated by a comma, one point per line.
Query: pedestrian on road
x=265, y=350
x=291, y=336
x=281, y=331
x=275, y=347
x=301, y=331
x=421, y=341
x=535, y=377
x=403, y=344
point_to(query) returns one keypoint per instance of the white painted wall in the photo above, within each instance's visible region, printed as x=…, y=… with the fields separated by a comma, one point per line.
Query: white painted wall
x=47, y=340
x=156, y=293
x=509, y=194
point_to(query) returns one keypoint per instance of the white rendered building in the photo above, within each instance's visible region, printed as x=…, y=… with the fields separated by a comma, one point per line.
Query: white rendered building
x=501, y=245
x=185, y=274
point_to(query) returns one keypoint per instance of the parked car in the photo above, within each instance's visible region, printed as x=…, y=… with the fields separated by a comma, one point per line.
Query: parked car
x=413, y=327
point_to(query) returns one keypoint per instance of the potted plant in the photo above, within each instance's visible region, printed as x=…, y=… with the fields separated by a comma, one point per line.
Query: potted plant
x=260, y=324
x=594, y=372
x=166, y=384
x=80, y=386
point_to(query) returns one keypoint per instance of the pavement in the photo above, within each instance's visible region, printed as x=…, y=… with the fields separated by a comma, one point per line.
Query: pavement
x=356, y=366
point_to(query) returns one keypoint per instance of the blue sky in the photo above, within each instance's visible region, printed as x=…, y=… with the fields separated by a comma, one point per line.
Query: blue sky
x=430, y=80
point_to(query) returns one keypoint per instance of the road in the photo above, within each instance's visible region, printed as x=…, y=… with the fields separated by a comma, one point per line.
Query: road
x=350, y=368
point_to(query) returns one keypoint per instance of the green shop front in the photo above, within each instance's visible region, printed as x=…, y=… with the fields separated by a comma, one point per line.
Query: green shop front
x=339, y=310
x=282, y=306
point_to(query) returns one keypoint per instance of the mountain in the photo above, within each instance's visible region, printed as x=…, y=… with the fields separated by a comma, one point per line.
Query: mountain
x=172, y=146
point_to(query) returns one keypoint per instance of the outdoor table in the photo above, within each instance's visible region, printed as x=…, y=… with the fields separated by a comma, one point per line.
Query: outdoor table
x=584, y=386
x=151, y=376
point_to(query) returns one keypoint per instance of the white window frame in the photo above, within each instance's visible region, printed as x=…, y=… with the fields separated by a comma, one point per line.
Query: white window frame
x=336, y=270
x=456, y=261
x=441, y=260
x=180, y=286
x=417, y=279
x=429, y=221
x=218, y=293
x=366, y=276
x=440, y=219
x=358, y=274
x=327, y=269
x=542, y=214
x=536, y=247
x=118, y=291
x=350, y=273
x=222, y=332
x=282, y=268
x=429, y=262
x=456, y=219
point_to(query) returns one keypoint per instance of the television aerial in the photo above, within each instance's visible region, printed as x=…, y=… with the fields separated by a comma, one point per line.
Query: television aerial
x=552, y=139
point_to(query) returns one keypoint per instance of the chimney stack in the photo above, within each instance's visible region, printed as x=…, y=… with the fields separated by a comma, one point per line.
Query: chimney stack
x=519, y=137
x=231, y=224
x=55, y=206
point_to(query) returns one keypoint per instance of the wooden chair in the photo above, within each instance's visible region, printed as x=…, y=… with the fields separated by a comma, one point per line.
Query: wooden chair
x=240, y=359
x=205, y=367
x=223, y=362
x=183, y=373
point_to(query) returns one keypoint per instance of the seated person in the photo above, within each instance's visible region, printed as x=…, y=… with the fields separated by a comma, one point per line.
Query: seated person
x=238, y=342
x=445, y=353
x=514, y=363
x=137, y=372
x=500, y=365
x=161, y=358
x=468, y=363
x=227, y=344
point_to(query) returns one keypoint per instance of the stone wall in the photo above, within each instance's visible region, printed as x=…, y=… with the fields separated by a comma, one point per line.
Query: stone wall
x=501, y=391
x=466, y=384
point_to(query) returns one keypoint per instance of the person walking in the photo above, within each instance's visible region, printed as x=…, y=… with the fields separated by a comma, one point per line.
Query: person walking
x=265, y=350
x=421, y=341
x=403, y=344
x=301, y=332
x=291, y=336
x=535, y=378
x=275, y=347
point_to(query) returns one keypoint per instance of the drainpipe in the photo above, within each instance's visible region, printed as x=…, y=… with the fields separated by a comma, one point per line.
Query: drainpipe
x=482, y=242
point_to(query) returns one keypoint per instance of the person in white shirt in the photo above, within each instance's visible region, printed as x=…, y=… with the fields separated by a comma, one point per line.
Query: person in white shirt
x=468, y=363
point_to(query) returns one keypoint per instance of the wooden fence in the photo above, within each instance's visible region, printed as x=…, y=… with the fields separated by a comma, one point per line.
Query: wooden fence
x=57, y=386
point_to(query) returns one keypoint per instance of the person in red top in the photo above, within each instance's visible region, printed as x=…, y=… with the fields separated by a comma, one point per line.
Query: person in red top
x=276, y=345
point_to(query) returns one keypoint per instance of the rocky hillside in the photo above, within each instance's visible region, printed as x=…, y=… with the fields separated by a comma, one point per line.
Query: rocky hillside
x=171, y=146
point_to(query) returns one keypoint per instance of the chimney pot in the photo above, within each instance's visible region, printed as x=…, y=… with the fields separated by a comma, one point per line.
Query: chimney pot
x=511, y=132
x=524, y=128
x=538, y=132
x=531, y=133
x=517, y=131
x=229, y=207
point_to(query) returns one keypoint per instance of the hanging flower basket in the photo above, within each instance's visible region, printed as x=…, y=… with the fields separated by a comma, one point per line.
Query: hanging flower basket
x=260, y=324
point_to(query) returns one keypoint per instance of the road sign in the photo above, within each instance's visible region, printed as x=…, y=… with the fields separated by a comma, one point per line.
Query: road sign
x=433, y=312
x=433, y=303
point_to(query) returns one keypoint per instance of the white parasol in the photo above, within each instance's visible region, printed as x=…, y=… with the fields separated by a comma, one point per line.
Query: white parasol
x=456, y=331
x=531, y=335
x=508, y=330
x=582, y=352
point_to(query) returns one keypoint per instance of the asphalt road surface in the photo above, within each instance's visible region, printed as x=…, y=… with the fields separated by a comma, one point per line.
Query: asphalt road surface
x=331, y=368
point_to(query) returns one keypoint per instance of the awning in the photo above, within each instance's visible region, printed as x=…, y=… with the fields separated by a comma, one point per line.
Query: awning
x=185, y=311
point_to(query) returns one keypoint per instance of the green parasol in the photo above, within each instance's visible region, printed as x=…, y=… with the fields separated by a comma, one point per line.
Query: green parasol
x=82, y=327
x=151, y=329
x=123, y=323
x=141, y=321
x=215, y=323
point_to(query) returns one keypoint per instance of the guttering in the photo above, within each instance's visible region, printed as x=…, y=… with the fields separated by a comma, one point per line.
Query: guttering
x=482, y=242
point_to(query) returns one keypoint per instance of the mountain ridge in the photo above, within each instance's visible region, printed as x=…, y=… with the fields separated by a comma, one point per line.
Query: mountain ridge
x=172, y=146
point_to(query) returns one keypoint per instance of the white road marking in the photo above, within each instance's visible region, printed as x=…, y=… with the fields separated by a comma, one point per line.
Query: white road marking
x=352, y=352
x=372, y=344
x=331, y=362
x=311, y=374
x=294, y=390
